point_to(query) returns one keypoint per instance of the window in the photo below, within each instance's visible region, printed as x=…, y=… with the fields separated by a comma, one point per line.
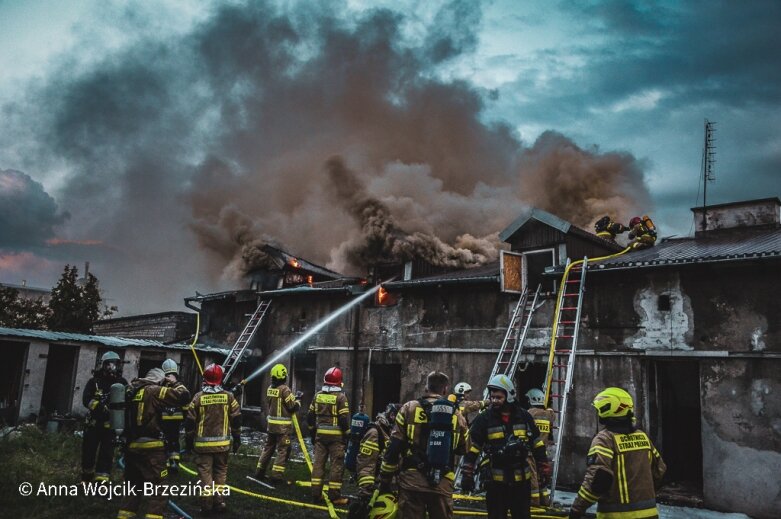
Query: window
x=535, y=263
x=663, y=304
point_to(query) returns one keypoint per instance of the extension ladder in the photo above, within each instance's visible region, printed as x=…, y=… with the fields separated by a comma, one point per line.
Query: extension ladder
x=233, y=358
x=564, y=342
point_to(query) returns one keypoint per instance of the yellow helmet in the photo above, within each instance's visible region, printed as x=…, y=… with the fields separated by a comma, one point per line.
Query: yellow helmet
x=279, y=372
x=384, y=507
x=613, y=402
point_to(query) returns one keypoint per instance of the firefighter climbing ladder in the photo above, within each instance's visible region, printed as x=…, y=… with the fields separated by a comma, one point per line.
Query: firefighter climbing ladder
x=233, y=358
x=510, y=351
x=564, y=342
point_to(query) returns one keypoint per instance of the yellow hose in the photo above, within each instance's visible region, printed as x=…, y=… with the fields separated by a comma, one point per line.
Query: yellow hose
x=559, y=299
x=195, y=340
x=329, y=505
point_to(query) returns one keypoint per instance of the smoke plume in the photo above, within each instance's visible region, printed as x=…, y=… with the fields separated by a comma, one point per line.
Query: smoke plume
x=185, y=152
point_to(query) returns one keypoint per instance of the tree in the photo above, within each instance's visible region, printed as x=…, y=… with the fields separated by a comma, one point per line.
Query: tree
x=16, y=312
x=74, y=306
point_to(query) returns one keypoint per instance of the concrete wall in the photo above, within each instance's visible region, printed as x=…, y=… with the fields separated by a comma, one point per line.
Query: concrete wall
x=741, y=435
x=32, y=385
x=88, y=357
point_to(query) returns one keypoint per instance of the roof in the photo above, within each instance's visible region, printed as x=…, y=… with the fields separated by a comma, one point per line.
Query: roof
x=488, y=273
x=743, y=246
x=773, y=199
x=296, y=262
x=25, y=287
x=557, y=223
x=112, y=342
x=247, y=293
x=314, y=290
x=171, y=313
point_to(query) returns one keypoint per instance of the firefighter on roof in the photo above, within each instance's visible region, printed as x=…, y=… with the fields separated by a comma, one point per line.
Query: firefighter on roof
x=173, y=418
x=544, y=419
x=642, y=232
x=282, y=404
x=506, y=433
x=427, y=435
x=623, y=466
x=213, y=428
x=329, y=423
x=607, y=229
x=145, y=458
x=98, y=442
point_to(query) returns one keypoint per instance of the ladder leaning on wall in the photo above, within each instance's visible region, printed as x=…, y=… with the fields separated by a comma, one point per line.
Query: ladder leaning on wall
x=245, y=338
x=564, y=343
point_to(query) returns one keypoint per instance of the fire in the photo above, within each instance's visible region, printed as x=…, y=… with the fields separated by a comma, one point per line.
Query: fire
x=310, y=279
x=382, y=296
x=293, y=262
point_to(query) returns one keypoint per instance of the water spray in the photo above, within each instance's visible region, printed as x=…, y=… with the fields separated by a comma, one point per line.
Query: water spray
x=316, y=328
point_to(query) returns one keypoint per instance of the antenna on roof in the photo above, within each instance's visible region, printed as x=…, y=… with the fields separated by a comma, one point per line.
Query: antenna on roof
x=707, y=167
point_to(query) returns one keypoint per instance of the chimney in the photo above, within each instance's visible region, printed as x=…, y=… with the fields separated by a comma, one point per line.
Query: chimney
x=764, y=213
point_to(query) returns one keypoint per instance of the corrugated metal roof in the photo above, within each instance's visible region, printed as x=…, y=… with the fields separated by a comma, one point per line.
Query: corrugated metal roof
x=488, y=273
x=303, y=264
x=308, y=290
x=746, y=245
x=112, y=342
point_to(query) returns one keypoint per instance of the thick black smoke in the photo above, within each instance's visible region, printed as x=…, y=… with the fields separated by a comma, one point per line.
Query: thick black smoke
x=28, y=214
x=185, y=153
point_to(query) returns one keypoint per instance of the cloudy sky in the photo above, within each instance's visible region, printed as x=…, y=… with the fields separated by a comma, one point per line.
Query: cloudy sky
x=163, y=140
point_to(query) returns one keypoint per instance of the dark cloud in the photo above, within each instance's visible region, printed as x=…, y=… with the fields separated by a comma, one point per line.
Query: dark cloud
x=185, y=154
x=28, y=215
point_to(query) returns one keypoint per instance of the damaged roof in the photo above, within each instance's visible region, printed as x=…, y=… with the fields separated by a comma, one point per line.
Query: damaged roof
x=716, y=247
x=285, y=258
x=104, y=340
x=488, y=273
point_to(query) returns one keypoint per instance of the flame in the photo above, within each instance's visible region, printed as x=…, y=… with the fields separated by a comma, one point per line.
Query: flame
x=293, y=262
x=382, y=296
x=310, y=279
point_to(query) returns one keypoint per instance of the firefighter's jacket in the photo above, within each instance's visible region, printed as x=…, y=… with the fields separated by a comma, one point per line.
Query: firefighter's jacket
x=406, y=451
x=212, y=418
x=281, y=406
x=544, y=419
x=622, y=470
x=329, y=413
x=506, y=443
x=174, y=413
x=467, y=407
x=95, y=398
x=370, y=452
x=640, y=232
x=145, y=402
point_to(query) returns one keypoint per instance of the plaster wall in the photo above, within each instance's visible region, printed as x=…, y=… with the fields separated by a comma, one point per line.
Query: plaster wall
x=32, y=385
x=85, y=364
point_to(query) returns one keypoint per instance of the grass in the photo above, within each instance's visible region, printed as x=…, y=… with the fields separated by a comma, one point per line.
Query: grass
x=30, y=455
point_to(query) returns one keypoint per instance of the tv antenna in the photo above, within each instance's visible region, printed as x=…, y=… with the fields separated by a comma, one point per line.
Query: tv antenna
x=707, y=169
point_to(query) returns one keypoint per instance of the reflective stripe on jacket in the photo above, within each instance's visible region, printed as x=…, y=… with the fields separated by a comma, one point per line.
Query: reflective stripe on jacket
x=212, y=419
x=281, y=404
x=329, y=413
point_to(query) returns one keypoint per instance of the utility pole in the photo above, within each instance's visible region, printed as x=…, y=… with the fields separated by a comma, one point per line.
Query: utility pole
x=707, y=168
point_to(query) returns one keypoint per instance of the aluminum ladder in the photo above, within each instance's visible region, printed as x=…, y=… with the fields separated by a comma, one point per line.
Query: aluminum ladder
x=510, y=351
x=244, y=340
x=564, y=342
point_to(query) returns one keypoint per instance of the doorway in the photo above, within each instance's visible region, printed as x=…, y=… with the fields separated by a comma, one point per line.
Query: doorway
x=58, y=380
x=675, y=416
x=386, y=386
x=530, y=375
x=15, y=355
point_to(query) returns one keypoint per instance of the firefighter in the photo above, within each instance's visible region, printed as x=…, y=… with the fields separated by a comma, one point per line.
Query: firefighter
x=544, y=418
x=467, y=407
x=372, y=445
x=99, y=438
x=623, y=466
x=329, y=423
x=173, y=418
x=145, y=458
x=282, y=404
x=507, y=434
x=427, y=435
x=607, y=229
x=212, y=430
x=642, y=232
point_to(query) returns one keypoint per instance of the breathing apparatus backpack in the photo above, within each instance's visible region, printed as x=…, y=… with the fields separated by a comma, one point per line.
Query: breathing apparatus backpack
x=359, y=424
x=439, y=442
x=116, y=407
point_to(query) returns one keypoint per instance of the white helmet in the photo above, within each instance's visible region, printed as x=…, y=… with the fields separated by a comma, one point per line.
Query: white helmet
x=169, y=366
x=462, y=388
x=536, y=397
x=503, y=383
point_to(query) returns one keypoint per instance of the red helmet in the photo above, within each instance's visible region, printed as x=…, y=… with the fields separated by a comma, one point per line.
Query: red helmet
x=333, y=377
x=634, y=221
x=212, y=375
